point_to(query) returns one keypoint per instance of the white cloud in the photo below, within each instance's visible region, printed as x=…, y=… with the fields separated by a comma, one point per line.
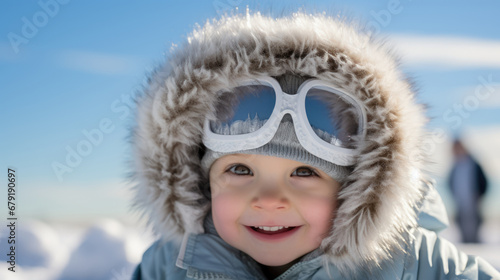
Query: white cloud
x=448, y=52
x=99, y=63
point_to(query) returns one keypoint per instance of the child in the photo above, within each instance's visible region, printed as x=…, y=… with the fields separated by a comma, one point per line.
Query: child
x=288, y=148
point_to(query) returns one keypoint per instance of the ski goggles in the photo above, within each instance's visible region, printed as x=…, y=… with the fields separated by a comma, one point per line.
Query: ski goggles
x=327, y=121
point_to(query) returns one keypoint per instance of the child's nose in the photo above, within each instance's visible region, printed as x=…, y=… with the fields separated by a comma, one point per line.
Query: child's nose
x=271, y=199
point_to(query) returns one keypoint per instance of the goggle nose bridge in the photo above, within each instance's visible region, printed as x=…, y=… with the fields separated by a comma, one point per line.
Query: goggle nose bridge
x=288, y=102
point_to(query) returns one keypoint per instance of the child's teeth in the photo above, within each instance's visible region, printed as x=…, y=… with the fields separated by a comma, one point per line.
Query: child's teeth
x=272, y=228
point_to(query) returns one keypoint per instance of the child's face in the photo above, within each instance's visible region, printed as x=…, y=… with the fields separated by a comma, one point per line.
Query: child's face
x=251, y=191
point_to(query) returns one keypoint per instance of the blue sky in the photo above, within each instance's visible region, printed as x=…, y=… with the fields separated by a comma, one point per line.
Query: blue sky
x=70, y=67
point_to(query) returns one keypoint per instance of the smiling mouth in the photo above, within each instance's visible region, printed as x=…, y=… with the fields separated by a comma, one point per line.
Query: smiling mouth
x=272, y=230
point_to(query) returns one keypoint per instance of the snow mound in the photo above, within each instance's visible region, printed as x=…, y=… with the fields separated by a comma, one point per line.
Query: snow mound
x=101, y=251
x=39, y=254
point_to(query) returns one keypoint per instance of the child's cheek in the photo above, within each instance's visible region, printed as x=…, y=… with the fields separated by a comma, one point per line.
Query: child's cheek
x=226, y=209
x=318, y=213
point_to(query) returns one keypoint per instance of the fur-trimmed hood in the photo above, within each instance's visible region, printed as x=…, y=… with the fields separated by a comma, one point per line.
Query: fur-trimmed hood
x=377, y=204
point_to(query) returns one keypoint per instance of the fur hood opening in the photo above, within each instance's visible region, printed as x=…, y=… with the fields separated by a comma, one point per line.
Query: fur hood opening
x=377, y=203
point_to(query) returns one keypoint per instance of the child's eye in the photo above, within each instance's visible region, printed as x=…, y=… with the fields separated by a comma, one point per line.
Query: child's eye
x=304, y=172
x=240, y=169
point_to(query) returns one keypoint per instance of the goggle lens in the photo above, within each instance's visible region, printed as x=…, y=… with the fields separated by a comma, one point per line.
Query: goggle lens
x=251, y=105
x=333, y=118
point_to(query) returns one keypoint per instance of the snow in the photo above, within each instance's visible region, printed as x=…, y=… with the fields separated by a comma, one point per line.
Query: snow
x=101, y=248
x=105, y=250
x=110, y=250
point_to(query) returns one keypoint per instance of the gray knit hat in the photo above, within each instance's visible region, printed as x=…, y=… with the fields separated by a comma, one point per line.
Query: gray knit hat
x=284, y=144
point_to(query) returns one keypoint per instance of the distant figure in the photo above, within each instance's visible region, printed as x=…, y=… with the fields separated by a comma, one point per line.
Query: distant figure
x=468, y=184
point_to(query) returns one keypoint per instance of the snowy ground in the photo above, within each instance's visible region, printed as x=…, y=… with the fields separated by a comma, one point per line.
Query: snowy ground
x=103, y=251
x=109, y=250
